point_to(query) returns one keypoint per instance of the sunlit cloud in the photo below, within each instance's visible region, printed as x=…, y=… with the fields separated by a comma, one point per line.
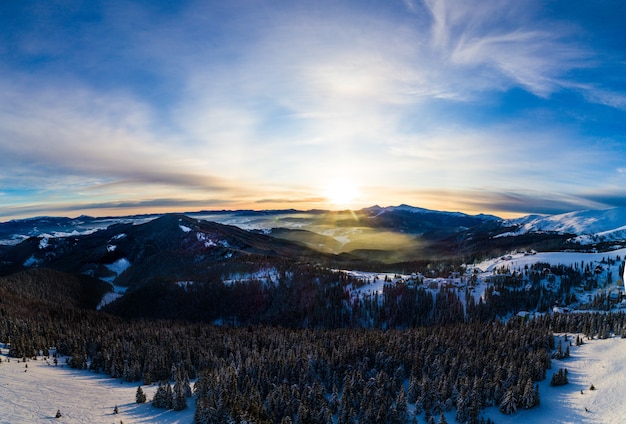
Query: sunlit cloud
x=268, y=104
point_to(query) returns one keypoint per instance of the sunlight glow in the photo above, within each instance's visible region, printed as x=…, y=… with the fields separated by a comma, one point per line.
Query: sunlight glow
x=341, y=193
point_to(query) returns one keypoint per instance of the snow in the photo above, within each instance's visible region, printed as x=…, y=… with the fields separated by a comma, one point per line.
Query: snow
x=607, y=224
x=119, y=266
x=373, y=282
x=34, y=396
x=44, y=242
x=207, y=241
x=184, y=284
x=118, y=291
x=519, y=260
x=184, y=228
x=14, y=240
x=617, y=234
x=266, y=276
x=597, y=362
x=32, y=261
x=111, y=248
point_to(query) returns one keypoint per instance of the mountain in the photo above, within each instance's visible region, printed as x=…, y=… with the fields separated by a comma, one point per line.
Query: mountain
x=588, y=226
x=381, y=234
x=14, y=231
x=172, y=247
x=409, y=219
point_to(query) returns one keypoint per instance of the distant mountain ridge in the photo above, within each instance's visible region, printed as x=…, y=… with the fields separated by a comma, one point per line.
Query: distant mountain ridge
x=586, y=225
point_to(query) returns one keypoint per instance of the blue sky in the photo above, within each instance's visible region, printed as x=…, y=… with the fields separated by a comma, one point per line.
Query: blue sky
x=503, y=107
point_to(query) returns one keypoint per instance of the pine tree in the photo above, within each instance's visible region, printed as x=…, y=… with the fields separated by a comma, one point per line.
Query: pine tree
x=509, y=402
x=400, y=411
x=413, y=391
x=163, y=396
x=169, y=396
x=179, y=400
x=559, y=378
x=140, y=396
x=536, y=396
x=187, y=386
x=526, y=402
x=333, y=402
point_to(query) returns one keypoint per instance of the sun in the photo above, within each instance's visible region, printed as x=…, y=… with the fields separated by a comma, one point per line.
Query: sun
x=341, y=193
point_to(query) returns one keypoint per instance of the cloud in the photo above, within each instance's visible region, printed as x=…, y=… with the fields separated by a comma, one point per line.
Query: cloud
x=51, y=134
x=115, y=207
x=528, y=202
x=260, y=103
x=309, y=200
x=608, y=197
x=504, y=203
x=507, y=44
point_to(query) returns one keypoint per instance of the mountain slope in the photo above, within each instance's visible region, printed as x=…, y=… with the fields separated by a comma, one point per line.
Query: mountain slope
x=429, y=223
x=589, y=225
x=28, y=292
x=170, y=248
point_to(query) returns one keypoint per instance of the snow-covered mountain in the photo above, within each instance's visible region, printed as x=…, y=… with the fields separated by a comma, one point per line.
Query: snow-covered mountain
x=416, y=210
x=368, y=228
x=589, y=226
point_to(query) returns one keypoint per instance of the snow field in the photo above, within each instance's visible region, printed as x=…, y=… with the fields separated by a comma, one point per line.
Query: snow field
x=597, y=362
x=519, y=260
x=34, y=394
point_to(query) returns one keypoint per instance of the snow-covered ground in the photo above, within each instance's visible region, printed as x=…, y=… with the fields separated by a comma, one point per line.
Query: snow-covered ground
x=597, y=362
x=519, y=260
x=33, y=394
x=602, y=223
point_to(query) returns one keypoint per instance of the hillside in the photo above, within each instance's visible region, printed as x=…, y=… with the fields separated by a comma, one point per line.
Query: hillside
x=588, y=226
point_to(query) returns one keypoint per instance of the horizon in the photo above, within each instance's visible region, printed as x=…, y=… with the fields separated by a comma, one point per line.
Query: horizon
x=295, y=210
x=506, y=109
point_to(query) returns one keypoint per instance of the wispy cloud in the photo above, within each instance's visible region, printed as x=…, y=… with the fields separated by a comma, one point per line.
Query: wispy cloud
x=506, y=44
x=269, y=103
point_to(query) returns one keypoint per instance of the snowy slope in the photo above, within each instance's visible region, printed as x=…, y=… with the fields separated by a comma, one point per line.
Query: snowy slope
x=33, y=394
x=597, y=362
x=609, y=224
x=518, y=261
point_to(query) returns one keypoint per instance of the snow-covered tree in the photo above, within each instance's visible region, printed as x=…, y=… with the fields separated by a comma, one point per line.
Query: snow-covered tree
x=509, y=402
x=179, y=400
x=559, y=378
x=140, y=396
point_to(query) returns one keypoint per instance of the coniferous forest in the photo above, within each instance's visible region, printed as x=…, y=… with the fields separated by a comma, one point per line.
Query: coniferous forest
x=292, y=362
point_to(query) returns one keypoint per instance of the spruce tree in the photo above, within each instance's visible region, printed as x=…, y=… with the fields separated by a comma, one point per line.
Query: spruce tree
x=509, y=402
x=179, y=400
x=169, y=396
x=400, y=411
x=559, y=378
x=140, y=396
x=160, y=399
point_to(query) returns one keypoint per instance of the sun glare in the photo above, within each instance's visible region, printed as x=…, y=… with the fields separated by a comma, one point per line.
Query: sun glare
x=341, y=193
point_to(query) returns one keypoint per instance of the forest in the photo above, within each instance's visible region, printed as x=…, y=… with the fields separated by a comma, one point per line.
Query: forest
x=293, y=362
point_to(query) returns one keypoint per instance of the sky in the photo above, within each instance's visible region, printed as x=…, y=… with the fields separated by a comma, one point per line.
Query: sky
x=122, y=107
